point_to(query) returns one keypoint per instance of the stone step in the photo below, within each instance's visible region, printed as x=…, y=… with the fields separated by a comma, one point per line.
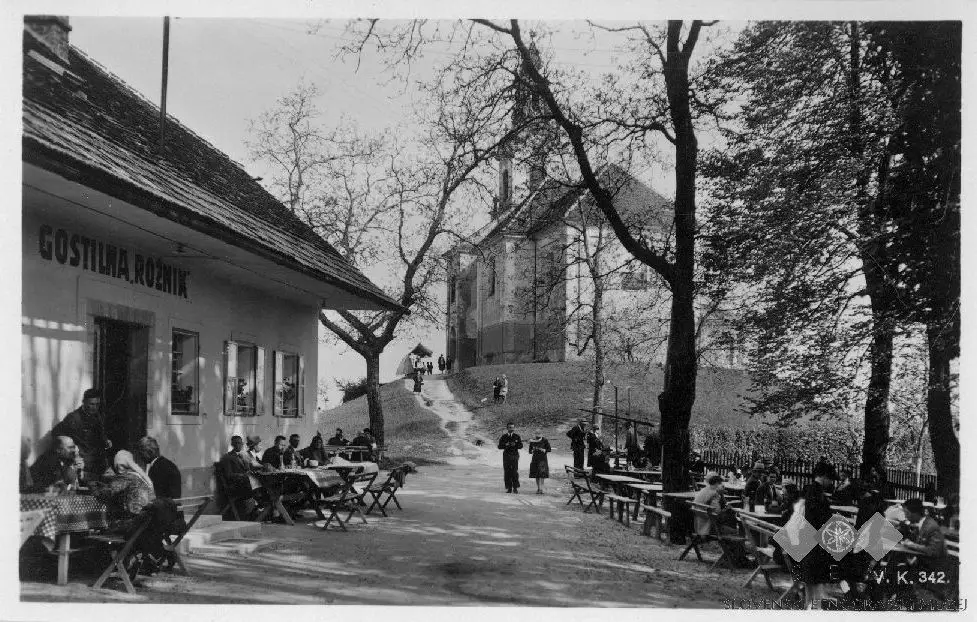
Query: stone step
x=233, y=546
x=218, y=532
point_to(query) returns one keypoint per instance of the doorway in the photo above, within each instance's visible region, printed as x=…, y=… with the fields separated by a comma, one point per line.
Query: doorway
x=121, y=369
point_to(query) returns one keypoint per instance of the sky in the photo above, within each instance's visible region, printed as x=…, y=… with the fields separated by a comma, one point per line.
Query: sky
x=225, y=71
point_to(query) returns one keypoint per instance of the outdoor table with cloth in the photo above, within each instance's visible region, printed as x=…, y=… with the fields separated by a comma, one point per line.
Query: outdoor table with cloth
x=323, y=478
x=65, y=515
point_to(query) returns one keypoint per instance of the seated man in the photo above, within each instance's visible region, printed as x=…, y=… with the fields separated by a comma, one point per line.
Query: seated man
x=925, y=536
x=293, y=455
x=234, y=467
x=696, y=464
x=59, y=468
x=254, y=450
x=600, y=461
x=339, y=439
x=364, y=439
x=167, y=482
x=274, y=456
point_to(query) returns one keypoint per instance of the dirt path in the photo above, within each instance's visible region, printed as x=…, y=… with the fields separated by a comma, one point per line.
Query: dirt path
x=459, y=423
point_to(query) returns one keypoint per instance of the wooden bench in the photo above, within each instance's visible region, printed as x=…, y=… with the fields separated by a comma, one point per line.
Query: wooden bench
x=727, y=543
x=623, y=507
x=656, y=522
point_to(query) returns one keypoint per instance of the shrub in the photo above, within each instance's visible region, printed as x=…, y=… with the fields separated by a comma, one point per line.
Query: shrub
x=352, y=389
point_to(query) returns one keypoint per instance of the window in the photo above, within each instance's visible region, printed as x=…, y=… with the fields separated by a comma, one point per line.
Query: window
x=491, y=277
x=506, y=195
x=452, y=284
x=185, y=386
x=636, y=277
x=244, y=374
x=289, y=384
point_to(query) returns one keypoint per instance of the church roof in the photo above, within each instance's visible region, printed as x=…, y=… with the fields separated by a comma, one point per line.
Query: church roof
x=638, y=204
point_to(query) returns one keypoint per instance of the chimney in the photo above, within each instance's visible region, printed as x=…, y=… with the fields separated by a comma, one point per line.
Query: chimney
x=53, y=31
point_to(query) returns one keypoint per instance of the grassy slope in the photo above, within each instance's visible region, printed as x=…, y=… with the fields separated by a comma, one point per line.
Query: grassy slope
x=548, y=395
x=411, y=431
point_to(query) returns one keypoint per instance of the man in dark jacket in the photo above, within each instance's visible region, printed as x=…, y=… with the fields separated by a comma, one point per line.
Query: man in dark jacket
x=510, y=444
x=167, y=482
x=293, y=455
x=85, y=426
x=577, y=435
x=274, y=456
x=58, y=467
x=653, y=448
x=338, y=440
x=363, y=439
x=594, y=444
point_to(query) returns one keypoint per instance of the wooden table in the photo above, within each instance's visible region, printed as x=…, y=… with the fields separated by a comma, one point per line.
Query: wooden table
x=65, y=515
x=845, y=509
x=645, y=474
x=651, y=490
x=767, y=517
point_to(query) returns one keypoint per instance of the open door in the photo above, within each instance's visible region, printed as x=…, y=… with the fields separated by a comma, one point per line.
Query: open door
x=121, y=373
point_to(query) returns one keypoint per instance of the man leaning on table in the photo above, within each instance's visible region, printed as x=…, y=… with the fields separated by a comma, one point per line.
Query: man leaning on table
x=59, y=468
x=85, y=427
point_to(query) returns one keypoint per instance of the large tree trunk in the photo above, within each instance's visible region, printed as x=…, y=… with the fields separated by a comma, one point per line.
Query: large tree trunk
x=678, y=392
x=874, y=265
x=597, y=319
x=373, y=394
x=943, y=439
x=876, y=443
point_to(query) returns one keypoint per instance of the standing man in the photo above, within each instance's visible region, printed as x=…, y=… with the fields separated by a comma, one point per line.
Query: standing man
x=85, y=427
x=447, y=364
x=441, y=364
x=577, y=434
x=631, y=446
x=510, y=444
x=165, y=475
x=653, y=447
x=594, y=445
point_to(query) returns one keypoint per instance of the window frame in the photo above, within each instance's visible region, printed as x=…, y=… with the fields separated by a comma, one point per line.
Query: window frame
x=174, y=331
x=278, y=398
x=232, y=378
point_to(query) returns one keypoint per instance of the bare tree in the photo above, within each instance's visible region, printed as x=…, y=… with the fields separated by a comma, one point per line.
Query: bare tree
x=385, y=204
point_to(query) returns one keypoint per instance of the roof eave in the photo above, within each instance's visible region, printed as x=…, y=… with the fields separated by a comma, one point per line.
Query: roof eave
x=75, y=170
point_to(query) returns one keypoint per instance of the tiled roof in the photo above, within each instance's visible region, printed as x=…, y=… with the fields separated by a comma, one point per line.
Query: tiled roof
x=638, y=205
x=96, y=122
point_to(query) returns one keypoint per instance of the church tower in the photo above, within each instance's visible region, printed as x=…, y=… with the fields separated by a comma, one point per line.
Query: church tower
x=524, y=151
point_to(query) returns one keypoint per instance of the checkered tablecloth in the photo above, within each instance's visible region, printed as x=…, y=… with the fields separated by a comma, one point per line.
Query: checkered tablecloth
x=66, y=513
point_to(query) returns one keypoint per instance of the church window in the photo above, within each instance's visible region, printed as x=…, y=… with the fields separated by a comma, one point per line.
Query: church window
x=491, y=277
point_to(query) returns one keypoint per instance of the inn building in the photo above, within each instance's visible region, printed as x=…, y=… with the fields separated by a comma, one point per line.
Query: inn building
x=159, y=271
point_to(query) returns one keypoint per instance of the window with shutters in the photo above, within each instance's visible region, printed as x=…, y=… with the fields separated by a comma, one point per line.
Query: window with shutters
x=185, y=376
x=289, y=384
x=244, y=374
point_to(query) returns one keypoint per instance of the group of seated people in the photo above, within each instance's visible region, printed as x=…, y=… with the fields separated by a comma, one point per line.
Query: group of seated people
x=857, y=572
x=237, y=464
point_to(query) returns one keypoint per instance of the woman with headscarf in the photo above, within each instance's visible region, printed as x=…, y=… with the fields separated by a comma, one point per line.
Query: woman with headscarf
x=129, y=495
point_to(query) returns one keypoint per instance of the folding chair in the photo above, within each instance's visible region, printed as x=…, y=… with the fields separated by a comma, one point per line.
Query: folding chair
x=123, y=543
x=596, y=494
x=695, y=539
x=760, y=531
x=394, y=481
x=171, y=542
x=575, y=488
x=224, y=490
x=347, y=499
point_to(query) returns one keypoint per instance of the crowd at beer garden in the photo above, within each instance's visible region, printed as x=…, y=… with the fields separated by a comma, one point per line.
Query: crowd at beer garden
x=201, y=406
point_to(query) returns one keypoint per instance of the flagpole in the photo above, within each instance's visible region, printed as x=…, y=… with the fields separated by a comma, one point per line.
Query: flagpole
x=166, y=68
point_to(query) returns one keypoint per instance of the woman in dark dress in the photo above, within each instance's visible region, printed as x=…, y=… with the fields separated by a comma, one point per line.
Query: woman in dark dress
x=815, y=569
x=539, y=467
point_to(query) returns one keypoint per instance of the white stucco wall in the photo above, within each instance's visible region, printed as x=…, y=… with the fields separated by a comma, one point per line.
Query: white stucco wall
x=57, y=329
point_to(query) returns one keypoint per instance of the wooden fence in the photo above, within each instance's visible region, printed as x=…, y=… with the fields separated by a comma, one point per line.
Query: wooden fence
x=904, y=484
